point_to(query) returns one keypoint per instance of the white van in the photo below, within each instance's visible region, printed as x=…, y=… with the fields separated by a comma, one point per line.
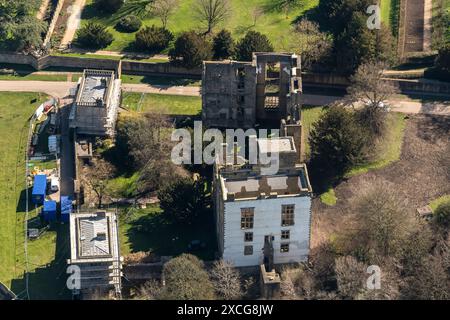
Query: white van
x=54, y=184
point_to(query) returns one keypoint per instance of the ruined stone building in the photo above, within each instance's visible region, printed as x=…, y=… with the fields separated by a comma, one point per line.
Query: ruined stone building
x=243, y=94
x=263, y=219
x=94, y=244
x=94, y=111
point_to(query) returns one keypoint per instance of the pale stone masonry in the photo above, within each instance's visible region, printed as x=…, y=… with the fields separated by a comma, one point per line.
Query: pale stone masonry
x=95, y=109
x=243, y=94
x=254, y=210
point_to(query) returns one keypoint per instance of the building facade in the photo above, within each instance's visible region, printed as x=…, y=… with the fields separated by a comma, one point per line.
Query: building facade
x=94, y=244
x=94, y=112
x=261, y=217
x=242, y=94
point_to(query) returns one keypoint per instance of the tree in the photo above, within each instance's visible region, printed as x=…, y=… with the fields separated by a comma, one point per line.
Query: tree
x=190, y=50
x=257, y=12
x=383, y=222
x=337, y=141
x=186, y=279
x=369, y=87
x=312, y=44
x=19, y=27
x=211, y=12
x=94, y=35
x=96, y=177
x=109, y=6
x=287, y=5
x=252, y=42
x=163, y=9
x=129, y=23
x=350, y=276
x=182, y=200
x=430, y=281
x=226, y=280
x=223, y=45
x=147, y=150
x=442, y=216
x=153, y=39
x=443, y=60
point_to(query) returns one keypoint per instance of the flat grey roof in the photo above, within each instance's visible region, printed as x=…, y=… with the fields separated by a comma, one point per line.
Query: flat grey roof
x=94, y=89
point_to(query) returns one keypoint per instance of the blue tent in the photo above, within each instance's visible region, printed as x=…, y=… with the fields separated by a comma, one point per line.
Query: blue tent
x=39, y=188
x=66, y=208
x=49, y=211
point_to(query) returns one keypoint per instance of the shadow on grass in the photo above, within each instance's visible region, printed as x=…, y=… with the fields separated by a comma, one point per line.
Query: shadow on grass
x=161, y=81
x=434, y=128
x=152, y=232
x=48, y=281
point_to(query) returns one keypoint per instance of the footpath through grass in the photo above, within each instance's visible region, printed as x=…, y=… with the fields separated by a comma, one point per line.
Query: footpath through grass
x=161, y=103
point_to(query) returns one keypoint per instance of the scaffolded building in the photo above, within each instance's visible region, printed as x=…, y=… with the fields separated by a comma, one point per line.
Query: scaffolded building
x=94, y=112
x=94, y=246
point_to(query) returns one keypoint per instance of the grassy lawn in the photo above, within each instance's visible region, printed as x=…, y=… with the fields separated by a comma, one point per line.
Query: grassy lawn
x=273, y=23
x=309, y=116
x=439, y=201
x=34, y=77
x=159, y=80
x=329, y=197
x=107, y=57
x=146, y=230
x=166, y=104
x=389, y=150
x=16, y=108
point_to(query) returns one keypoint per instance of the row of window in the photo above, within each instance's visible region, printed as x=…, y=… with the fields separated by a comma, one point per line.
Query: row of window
x=248, y=250
x=285, y=235
x=248, y=215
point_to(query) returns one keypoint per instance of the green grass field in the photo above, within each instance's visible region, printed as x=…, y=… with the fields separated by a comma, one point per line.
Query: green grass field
x=161, y=103
x=15, y=110
x=146, y=230
x=273, y=23
x=309, y=116
x=34, y=77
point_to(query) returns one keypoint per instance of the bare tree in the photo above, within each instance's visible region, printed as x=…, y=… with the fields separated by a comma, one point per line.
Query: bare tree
x=350, y=276
x=257, y=12
x=96, y=176
x=369, y=87
x=150, y=290
x=288, y=287
x=163, y=9
x=382, y=220
x=212, y=12
x=226, y=280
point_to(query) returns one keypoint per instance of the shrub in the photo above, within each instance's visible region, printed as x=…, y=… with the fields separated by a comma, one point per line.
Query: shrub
x=223, y=45
x=190, y=50
x=109, y=6
x=94, y=35
x=337, y=141
x=129, y=23
x=442, y=215
x=153, y=39
x=252, y=42
x=186, y=279
x=443, y=60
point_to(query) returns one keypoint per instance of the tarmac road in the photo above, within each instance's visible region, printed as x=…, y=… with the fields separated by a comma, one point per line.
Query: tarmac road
x=61, y=89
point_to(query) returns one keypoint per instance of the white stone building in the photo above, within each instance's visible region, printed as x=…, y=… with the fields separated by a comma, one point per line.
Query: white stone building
x=255, y=211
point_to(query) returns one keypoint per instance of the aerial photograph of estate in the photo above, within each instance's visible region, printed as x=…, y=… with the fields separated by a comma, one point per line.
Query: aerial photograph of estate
x=251, y=151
